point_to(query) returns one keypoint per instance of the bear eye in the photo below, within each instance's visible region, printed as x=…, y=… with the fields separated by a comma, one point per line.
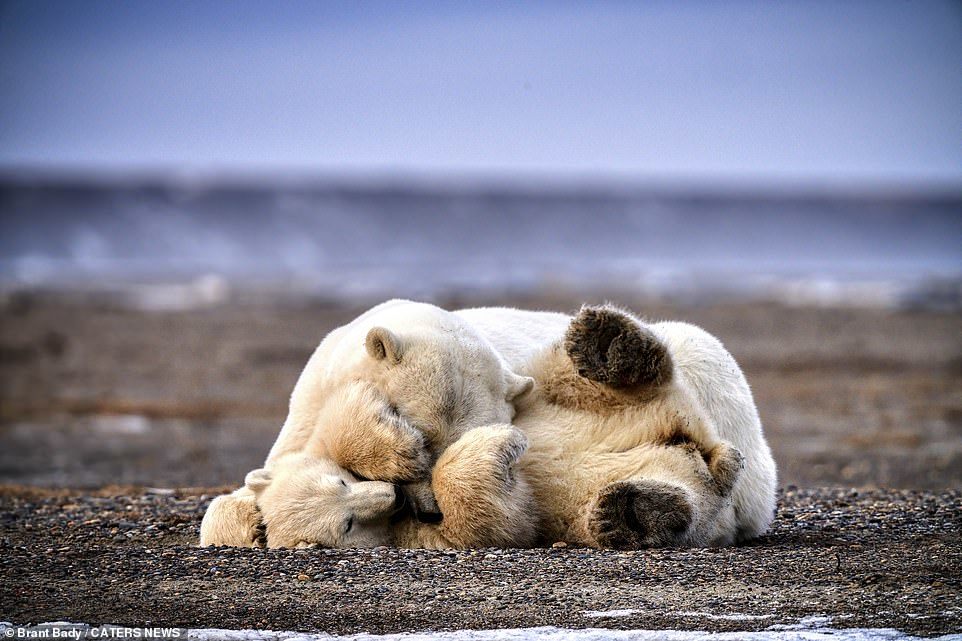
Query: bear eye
x=350, y=524
x=343, y=483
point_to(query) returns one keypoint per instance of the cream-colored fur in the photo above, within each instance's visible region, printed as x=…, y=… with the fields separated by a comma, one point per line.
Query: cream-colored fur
x=428, y=376
x=717, y=382
x=705, y=371
x=382, y=396
x=594, y=449
x=309, y=501
x=232, y=519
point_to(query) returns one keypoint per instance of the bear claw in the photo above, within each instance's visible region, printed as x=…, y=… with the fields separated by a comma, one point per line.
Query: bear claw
x=609, y=347
x=639, y=514
x=411, y=459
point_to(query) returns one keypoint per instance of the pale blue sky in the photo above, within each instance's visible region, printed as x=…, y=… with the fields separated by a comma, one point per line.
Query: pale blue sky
x=728, y=90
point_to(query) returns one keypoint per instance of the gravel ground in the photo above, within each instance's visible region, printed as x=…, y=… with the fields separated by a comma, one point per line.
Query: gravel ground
x=127, y=556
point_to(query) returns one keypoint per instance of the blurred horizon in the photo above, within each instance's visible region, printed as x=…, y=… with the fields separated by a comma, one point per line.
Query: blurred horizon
x=179, y=244
x=484, y=180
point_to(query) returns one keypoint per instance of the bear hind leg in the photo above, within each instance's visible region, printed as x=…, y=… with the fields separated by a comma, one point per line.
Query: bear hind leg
x=608, y=346
x=640, y=513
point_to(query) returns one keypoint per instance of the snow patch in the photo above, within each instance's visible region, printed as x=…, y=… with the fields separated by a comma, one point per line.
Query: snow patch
x=609, y=614
x=588, y=634
x=616, y=614
x=725, y=617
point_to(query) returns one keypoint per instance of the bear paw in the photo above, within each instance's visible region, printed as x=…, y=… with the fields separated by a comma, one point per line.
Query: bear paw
x=420, y=498
x=488, y=452
x=502, y=447
x=403, y=458
x=607, y=346
x=509, y=443
x=630, y=515
x=725, y=463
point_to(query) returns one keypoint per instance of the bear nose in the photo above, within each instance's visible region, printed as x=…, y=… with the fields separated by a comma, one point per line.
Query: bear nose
x=430, y=517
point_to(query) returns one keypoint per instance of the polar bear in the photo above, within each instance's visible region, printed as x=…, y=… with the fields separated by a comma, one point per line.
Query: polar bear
x=624, y=454
x=385, y=393
x=611, y=351
x=233, y=520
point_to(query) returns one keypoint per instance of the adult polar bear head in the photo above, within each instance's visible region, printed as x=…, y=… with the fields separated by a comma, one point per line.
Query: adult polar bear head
x=410, y=367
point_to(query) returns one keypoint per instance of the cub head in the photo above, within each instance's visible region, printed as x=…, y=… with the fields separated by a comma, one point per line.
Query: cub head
x=307, y=501
x=440, y=374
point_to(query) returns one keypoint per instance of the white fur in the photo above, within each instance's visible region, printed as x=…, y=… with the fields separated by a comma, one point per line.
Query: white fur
x=721, y=388
x=482, y=374
x=706, y=366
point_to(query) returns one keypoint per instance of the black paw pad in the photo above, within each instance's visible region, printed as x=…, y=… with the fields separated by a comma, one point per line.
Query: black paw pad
x=640, y=514
x=609, y=347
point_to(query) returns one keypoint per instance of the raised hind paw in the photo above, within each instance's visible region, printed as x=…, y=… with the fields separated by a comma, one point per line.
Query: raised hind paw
x=608, y=346
x=629, y=515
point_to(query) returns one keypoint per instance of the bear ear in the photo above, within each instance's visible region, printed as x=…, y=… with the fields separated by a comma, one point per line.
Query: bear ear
x=258, y=480
x=517, y=385
x=382, y=345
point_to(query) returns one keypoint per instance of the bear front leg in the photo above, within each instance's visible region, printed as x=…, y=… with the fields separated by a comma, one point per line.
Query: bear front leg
x=420, y=496
x=606, y=345
x=484, y=497
x=381, y=450
x=640, y=513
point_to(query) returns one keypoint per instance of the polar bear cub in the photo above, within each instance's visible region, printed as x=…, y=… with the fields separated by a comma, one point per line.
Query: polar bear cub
x=309, y=501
